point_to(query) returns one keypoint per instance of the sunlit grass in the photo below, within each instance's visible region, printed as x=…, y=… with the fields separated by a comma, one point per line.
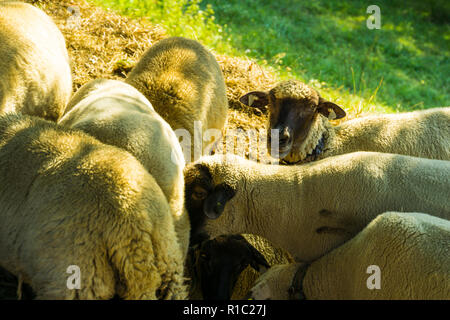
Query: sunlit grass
x=403, y=66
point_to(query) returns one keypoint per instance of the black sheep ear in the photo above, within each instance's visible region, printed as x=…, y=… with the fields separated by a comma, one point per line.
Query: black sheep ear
x=255, y=99
x=330, y=110
x=257, y=260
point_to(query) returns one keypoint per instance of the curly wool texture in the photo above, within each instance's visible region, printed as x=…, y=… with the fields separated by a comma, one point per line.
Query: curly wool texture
x=293, y=89
x=322, y=204
x=412, y=251
x=118, y=114
x=184, y=83
x=424, y=133
x=67, y=199
x=35, y=75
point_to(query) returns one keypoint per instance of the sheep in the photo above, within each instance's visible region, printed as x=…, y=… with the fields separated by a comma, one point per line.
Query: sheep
x=228, y=265
x=310, y=209
x=217, y=263
x=305, y=133
x=68, y=200
x=118, y=114
x=185, y=84
x=410, y=252
x=12, y=289
x=273, y=255
x=35, y=75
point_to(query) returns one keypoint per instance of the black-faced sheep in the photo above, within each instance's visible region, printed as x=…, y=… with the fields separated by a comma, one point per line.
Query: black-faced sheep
x=305, y=134
x=118, y=114
x=216, y=265
x=67, y=199
x=35, y=76
x=310, y=209
x=185, y=85
x=397, y=256
x=273, y=255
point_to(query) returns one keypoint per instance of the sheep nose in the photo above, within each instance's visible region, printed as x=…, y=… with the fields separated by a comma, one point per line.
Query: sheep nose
x=284, y=137
x=218, y=208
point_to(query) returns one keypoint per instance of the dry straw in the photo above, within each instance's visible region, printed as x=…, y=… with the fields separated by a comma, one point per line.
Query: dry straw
x=103, y=44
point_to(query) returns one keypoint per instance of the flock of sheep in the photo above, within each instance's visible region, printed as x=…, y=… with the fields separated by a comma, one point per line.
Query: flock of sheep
x=99, y=180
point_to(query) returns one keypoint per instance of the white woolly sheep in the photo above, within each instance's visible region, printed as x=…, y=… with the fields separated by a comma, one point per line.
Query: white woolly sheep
x=68, y=199
x=410, y=252
x=118, y=114
x=310, y=209
x=184, y=83
x=35, y=76
x=305, y=133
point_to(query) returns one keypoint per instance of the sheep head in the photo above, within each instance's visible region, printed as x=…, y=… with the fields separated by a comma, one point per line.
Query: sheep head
x=293, y=108
x=204, y=198
x=220, y=261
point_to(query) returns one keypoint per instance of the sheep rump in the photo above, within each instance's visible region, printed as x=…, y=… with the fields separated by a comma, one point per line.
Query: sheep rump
x=67, y=199
x=119, y=115
x=184, y=83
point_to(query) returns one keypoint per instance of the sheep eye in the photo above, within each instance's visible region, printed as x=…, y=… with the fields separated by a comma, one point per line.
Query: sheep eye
x=199, y=194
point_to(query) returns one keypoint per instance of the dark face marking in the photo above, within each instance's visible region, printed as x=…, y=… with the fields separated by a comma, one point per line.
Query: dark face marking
x=293, y=118
x=203, y=199
x=220, y=262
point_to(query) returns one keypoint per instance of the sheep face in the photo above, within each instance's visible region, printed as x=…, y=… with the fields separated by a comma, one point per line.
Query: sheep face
x=220, y=261
x=204, y=198
x=293, y=108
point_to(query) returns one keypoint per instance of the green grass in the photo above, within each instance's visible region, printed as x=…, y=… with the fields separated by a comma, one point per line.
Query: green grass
x=403, y=66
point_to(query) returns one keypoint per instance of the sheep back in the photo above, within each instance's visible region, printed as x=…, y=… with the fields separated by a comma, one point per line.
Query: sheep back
x=423, y=133
x=35, y=72
x=412, y=251
x=184, y=83
x=118, y=114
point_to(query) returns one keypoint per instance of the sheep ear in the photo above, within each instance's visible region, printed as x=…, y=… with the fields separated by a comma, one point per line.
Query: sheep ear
x=257, y=260
x=255, y=99
x=330, y=110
